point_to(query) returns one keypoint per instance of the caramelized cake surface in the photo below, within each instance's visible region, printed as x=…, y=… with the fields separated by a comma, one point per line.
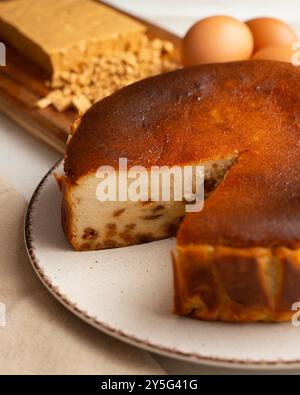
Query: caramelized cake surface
x=237, y=260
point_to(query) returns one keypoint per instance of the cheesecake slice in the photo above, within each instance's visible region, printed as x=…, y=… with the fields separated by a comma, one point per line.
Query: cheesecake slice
x=238, y=259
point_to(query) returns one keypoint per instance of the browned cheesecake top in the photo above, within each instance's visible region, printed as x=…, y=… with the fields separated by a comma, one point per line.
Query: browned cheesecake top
x=209, y=112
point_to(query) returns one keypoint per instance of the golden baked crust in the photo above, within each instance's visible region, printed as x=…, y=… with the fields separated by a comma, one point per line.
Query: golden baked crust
x=236, y=284
x=237, y=260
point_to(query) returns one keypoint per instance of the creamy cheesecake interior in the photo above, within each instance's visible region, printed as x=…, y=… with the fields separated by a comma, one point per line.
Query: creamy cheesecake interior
x=58, y=35
x=94, y=224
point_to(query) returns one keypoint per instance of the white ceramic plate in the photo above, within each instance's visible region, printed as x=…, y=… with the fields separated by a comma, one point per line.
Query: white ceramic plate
x=128, y=292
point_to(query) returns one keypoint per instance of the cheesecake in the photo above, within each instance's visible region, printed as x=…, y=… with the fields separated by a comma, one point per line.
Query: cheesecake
x=237, y=260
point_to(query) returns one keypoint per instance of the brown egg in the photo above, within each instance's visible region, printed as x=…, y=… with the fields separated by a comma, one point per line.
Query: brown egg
x=282, y=54
x=271, y=32
x=217, y=39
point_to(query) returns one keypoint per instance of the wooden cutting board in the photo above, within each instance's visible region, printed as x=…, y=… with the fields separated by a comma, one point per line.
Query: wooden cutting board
x=22, y=83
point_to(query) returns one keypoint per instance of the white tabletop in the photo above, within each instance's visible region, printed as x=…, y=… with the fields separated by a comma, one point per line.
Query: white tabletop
x=24, y=160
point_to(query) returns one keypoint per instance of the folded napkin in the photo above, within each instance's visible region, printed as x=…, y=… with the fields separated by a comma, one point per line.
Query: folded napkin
x=38, y=335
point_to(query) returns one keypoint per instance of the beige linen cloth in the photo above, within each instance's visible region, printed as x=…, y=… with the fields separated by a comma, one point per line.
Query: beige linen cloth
x=41, y=336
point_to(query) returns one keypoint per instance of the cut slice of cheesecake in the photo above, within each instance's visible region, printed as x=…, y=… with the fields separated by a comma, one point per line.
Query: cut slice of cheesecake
x=92, y=224
x=238, y=259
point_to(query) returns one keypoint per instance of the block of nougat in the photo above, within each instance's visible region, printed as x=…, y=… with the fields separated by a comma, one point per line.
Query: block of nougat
x=57, y=35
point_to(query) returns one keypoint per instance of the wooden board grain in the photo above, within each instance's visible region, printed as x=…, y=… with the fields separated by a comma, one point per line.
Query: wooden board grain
x=22, y=83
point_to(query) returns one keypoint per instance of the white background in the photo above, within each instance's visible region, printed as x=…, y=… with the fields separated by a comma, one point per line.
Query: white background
x=24, y=161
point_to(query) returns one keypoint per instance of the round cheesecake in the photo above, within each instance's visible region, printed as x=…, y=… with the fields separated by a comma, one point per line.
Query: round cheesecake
x=238, y=259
